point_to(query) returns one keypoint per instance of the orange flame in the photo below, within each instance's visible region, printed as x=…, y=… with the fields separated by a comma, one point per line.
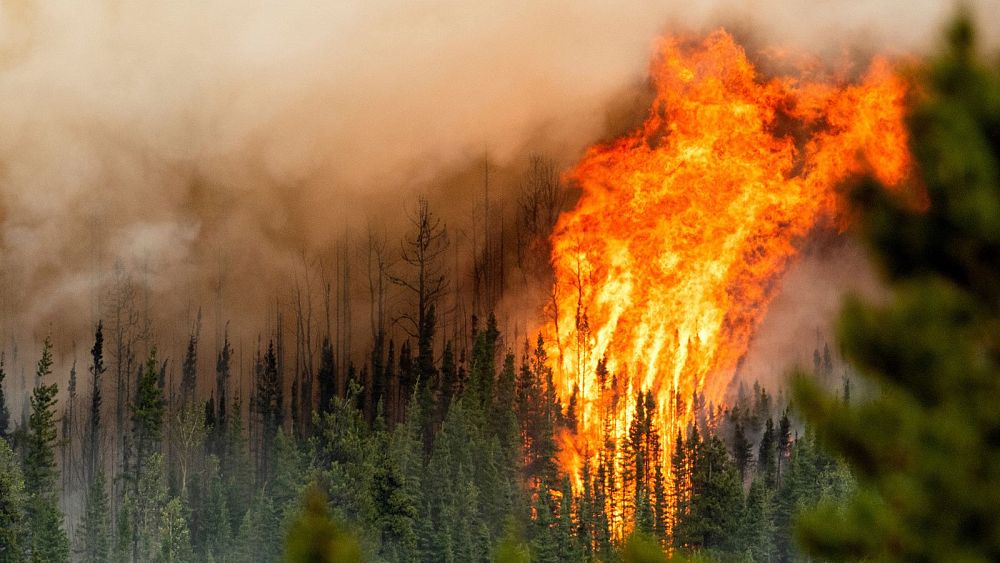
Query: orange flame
x=671, y=256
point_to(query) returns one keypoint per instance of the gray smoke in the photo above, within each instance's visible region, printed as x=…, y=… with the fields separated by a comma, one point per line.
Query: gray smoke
x=196, y=140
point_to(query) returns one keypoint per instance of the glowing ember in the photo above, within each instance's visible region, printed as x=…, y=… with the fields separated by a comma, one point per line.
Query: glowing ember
x=669, y=260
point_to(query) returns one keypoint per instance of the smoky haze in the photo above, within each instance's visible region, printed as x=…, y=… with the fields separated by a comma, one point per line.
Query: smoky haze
x=194, y=141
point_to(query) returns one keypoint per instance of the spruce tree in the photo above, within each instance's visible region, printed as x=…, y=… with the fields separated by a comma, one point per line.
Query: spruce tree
x=97, y=369
x=189, y=369
x=223, y=366
x=174, y=536
x=44, y=520
x=94, y=533
x=545, y=545
x=147, y=414
x=767, y=455
x=756, y=526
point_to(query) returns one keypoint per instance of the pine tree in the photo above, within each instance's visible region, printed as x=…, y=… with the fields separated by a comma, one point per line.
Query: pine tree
x=44, y=520
x=784, y=443
x=223, y=367
x=259, y=538
x=545, y=546
x=97, y=369
x=742, y=452
x=268, y=407
x=189, y=369
x=238, y=475
x=569, y=546
x=482, y=372
x=145, y=503
x=716, y=497
x=756, y=527
x=586, y=510
x=211, y=523
x=682, y=462
x=602, y=523
x=147, y=414
x=767, y=455
x=94, y=534
x=327, y=376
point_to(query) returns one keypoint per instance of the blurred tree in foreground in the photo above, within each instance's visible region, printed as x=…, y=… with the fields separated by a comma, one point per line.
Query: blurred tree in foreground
x=314, y=537
x=926, y=451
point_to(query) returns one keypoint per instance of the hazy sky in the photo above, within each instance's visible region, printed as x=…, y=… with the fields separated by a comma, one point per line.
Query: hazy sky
x=189, y=136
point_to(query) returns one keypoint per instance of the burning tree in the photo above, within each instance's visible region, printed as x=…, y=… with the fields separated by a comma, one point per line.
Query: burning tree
x=670, y=258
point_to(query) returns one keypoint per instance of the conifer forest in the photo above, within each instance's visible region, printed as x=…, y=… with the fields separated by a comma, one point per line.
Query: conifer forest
x=470, y=282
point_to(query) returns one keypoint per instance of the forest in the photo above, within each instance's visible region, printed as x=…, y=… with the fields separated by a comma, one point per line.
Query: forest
x=440, y=434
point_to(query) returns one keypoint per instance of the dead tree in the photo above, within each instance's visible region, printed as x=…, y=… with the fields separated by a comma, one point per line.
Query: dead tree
x=379, y=264
x=423, y=250
x=539, y=203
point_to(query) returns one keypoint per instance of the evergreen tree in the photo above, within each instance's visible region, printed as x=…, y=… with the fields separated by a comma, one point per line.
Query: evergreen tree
x=784, y=442
x=238, y=475
x=925, y=448
x=569, y=546
x=716, y=497
x=482, y=372
x=12, y=506
x=767, y=455
x=223, y=367
x=94, y=534
x=147, y=414
x=545, y=545
x=145, y=504
x=211, y=524
x=742, y=452
x=756, y=527
x=97, y=369
x=268, y=406
x=260, y=538
x=44, y=520
x=327, y=376
x=189, y=369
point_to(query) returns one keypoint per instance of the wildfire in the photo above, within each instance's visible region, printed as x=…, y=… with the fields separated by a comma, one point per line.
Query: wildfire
x=671, y=256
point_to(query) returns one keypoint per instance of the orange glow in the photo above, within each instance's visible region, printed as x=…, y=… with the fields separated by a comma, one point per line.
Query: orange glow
x=673, y=252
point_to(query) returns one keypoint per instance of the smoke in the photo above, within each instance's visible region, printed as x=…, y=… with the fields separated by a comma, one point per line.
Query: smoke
x=802, y=317
x=226, y=141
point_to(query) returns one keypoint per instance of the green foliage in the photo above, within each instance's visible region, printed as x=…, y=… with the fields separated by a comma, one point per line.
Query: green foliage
x=640, y=547
x=44, y=520
x=94, y=533
x=12, y=505
x=4, y=411
x=175, y=538
x=260, y=536
x=145, y=506
x=511, y=548
x=925, y=448
x=147, y=414
x=314, y=537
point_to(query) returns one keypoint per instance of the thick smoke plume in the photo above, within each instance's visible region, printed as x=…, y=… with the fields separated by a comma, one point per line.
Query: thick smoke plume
x=192, y=142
